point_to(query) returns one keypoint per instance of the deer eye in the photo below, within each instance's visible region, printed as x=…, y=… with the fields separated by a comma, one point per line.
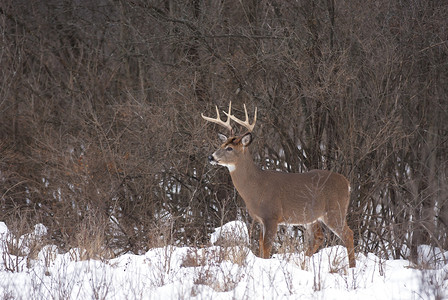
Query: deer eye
x=229, y=149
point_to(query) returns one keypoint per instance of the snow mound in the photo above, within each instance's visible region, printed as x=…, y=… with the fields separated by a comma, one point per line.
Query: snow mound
x=3, y=230
x=230, y=234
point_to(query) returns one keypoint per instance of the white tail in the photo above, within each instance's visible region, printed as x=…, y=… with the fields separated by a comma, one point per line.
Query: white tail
x=274, y=198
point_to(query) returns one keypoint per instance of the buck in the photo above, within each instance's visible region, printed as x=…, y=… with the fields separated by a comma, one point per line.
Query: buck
x=273, y=198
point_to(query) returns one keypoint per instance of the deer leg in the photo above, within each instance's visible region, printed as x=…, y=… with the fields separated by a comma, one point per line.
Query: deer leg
x=267, y=234
x=315, y=238
x=349, y=244
x=342, y=230
x=261, y=241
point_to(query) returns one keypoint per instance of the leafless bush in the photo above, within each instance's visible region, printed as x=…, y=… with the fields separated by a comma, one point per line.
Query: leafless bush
x=100, y=114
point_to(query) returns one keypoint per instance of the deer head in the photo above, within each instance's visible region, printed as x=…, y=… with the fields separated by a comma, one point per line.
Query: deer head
x=235, y=147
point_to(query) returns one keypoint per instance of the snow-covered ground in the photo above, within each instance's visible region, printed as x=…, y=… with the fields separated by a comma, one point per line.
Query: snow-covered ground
x=215, y=272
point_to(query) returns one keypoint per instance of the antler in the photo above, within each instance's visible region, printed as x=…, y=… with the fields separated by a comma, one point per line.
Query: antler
x=218, y=120
x=226, y=124
x=246, y=123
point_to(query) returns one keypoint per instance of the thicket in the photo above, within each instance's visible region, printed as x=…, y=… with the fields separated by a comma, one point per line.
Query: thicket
x=101, y=137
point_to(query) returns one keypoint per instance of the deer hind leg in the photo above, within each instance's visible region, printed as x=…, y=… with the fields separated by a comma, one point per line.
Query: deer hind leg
x=341, y=229
x=267, y=235
x=315, y=238
x=349, y=244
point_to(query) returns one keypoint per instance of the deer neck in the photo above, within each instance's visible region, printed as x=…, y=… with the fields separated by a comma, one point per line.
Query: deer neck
x=245, y=172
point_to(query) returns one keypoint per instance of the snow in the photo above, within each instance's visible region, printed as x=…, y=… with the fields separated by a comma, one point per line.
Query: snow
x=234, y=232
x=217, y=272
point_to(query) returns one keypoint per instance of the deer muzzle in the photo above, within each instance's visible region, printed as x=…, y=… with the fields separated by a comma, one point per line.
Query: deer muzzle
x=212, y=160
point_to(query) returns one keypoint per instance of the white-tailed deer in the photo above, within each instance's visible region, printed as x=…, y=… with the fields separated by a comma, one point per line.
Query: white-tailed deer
x=274, y=198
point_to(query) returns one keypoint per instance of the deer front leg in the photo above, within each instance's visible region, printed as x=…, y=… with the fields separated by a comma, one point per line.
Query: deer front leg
x=267, y=234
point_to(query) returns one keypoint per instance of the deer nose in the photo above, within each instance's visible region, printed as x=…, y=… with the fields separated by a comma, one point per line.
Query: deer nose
x=210, y=158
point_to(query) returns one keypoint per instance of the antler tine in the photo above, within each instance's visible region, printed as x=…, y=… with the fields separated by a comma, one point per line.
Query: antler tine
x=218, y=120
x=245, y=123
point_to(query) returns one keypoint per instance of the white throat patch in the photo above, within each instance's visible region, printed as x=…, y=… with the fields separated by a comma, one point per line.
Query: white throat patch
x=231, y=167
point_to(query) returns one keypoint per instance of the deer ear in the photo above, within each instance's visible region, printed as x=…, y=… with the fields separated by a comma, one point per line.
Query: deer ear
x=222, y=137
x=246, y=139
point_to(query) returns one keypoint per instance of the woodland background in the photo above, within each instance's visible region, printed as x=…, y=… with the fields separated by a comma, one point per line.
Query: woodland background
x=101, y=137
